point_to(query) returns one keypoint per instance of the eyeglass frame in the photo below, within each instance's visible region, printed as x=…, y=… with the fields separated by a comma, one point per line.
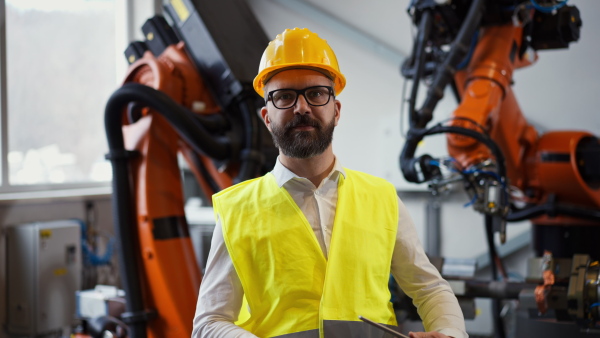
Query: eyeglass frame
x=298, y=93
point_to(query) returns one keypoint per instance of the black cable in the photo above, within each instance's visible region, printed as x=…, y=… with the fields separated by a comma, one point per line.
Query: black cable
x=205, y=175
x=214, y=123
x=123, y=206
x=185, y=122
x=462, y=118
x=489, y=232
x=456, y=54
x=494, y=262
x=455, y=91
x=444, y=73
x=552, y=209
x=251, y=158
x=191, y=130
x=419, y=59
x=408, y=162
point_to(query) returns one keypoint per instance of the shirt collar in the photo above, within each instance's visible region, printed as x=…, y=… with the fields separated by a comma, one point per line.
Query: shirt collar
x=283, y=174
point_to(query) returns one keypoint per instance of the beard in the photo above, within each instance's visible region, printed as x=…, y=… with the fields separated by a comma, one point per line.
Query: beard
x=306, y=143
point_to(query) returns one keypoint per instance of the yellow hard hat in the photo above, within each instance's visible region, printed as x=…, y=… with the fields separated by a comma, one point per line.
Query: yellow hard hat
x=298, y=48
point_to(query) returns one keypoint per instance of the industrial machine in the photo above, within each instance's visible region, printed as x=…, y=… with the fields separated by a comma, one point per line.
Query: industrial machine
x=188, y=92
x=44, y=273
x=510, y=171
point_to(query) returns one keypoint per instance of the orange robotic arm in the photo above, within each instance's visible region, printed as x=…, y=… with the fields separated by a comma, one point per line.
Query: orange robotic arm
x=492, y=148
x=489, y=140
x=541, y=165
x=169, y=106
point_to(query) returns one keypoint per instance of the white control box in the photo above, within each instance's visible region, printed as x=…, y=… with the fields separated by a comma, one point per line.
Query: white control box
x=44, y=272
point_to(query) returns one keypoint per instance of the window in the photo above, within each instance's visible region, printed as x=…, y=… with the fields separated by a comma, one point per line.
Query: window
x=61, y=68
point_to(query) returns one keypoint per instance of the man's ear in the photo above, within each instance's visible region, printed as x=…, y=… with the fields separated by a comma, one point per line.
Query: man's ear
x=338, y=111
x=265, y=116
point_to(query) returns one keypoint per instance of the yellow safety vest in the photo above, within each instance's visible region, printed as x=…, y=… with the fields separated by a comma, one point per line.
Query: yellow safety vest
x=291, y=289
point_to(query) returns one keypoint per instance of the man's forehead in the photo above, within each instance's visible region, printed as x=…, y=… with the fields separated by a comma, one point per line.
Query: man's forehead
x=299, y=77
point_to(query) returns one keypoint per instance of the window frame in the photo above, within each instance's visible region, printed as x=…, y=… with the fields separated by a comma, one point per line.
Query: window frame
x=129, y=16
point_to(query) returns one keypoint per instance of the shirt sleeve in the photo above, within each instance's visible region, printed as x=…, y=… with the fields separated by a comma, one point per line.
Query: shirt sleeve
x=221, y=295
x=420, y=280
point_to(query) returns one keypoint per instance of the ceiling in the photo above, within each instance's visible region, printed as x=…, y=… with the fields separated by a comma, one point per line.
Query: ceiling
x=384, y=20
x=382, y=23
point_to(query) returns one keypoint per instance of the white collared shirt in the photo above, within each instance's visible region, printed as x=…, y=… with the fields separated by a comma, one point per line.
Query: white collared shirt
x=221, y=292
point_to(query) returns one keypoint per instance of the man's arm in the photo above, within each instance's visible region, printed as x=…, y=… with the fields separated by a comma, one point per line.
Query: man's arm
x=221, y=295
x=419, y=279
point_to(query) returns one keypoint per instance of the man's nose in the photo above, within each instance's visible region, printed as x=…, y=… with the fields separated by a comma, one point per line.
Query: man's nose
x=301, y=106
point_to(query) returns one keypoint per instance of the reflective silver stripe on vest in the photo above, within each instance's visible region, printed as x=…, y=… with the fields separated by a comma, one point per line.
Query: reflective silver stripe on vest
x=347, y=329
x=344, y=329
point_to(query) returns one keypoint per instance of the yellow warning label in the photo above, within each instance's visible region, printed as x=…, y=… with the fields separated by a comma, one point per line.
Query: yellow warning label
x=181, y=10
x=45, y=233
x=60, y=272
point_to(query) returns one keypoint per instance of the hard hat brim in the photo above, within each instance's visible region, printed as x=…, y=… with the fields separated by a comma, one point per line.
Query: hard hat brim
x=339, y=80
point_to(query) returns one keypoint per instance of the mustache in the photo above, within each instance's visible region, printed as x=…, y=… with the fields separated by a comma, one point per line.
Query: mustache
x=302, y=121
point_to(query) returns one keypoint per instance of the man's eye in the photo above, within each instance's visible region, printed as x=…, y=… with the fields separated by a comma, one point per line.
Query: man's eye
x=316, y=93
x=284, y=96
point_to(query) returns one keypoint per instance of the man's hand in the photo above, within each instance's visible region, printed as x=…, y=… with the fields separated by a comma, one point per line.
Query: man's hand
x=432, y=334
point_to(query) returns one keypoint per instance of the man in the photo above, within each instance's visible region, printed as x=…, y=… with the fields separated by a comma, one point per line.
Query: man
x=311, y=244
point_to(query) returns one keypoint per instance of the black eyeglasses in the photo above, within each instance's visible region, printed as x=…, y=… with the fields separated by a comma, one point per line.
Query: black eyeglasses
x=287, y=98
